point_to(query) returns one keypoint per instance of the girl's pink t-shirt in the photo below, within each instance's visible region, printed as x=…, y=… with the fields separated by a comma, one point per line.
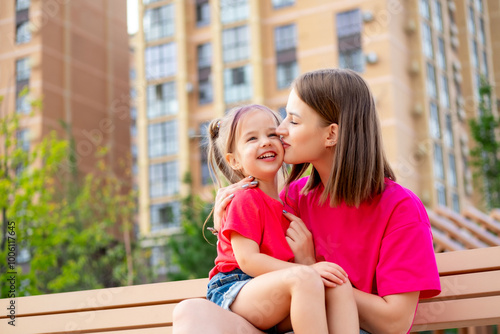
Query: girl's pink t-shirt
x=256, y=216
x=385, y=245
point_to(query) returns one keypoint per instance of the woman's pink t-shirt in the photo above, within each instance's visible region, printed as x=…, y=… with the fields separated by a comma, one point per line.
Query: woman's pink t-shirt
x=385, y=245
x=256, y=216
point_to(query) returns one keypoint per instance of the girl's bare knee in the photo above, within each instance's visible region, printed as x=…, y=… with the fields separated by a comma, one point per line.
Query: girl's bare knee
x=343, y=291
x=304, y=277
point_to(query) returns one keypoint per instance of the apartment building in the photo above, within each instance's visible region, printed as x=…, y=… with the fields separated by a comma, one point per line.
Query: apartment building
x=423, y=60
x=73, y=56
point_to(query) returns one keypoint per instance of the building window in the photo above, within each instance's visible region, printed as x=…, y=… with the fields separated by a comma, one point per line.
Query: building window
x=282, y=112
x=455, y=202
x=282, y=3
x=448, y=137
x=484, y=65
x=285, y=41
x=165, y=215
x=235, y=43
x=22, y=4
x=161, y=61
x=438, y=162
x=444, y=94
x=23, y=32
x=162, y=100
x=285, y=73
x=475, y=54
x=427, y=40
x=438, y=15
x=205, y=93
x=237, y=84
x=349, y=40
x=202, y=13
x=23, y=139
x=205, y=167
x=431, y=81
x=23, y=73
x=425, y=9
x=452, y=170
x=163, y=179
x=441, y=59
x=159, y=22
x=472, y=22
x=441, y=193
x=233, y=10
x=163, y=139
x=435, y=127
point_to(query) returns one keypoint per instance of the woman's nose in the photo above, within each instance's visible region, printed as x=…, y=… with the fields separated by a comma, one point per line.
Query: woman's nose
x=281, y=130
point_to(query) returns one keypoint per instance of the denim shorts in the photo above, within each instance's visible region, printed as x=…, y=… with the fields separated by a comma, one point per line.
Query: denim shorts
x=224, y=287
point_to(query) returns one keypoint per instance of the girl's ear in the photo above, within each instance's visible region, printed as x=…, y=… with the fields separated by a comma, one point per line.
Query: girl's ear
x=232, y=161
x=333, y=135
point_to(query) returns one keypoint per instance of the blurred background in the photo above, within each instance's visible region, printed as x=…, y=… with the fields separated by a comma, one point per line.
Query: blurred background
x=105, y=104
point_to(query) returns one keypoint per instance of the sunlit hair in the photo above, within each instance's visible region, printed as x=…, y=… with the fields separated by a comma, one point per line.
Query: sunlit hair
x=222, y=135
x=342, y=97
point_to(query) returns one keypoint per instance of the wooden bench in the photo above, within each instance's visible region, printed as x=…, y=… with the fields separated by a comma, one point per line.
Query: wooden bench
x=470, y=281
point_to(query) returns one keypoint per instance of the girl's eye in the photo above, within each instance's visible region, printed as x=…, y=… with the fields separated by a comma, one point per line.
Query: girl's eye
x=251, y=138
x=273, y=135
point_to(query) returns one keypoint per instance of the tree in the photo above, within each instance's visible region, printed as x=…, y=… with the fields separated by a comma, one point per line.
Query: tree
x=486, y=153
x=193, y=250
x=73, y=232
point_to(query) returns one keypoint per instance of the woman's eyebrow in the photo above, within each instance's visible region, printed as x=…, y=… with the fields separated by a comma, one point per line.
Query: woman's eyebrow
x=293, y=114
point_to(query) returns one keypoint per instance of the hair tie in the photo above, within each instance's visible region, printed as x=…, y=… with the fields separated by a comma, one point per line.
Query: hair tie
x=218, y=124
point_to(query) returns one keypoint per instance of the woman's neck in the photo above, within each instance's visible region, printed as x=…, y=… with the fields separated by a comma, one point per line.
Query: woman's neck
x=324, y=167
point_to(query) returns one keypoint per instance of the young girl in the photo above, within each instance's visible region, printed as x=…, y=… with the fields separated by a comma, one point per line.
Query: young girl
x=254, y=275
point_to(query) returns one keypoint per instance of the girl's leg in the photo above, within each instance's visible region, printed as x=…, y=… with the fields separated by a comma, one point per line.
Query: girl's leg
x=200, y=316
x=268, y=299
x=341, y=310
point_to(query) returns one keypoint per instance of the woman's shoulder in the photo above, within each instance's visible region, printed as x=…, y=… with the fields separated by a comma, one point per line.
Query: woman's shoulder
x=401, y=199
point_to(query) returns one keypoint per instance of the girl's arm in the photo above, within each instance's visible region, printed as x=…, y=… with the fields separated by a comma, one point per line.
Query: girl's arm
x=388, y=314
x=254, y=263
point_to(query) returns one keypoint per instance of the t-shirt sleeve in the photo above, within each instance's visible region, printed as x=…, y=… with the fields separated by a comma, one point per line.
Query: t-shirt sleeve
x=242, y=216
x=407, y=261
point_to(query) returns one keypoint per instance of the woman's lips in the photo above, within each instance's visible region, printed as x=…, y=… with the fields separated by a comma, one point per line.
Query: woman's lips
x=285, y=144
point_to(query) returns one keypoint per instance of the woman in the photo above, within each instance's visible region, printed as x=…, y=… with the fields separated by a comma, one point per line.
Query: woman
x=359, y=218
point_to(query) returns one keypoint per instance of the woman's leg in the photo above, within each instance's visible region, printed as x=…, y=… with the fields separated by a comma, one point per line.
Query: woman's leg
x=268, y=299
x=341, y=310
x=200, y=316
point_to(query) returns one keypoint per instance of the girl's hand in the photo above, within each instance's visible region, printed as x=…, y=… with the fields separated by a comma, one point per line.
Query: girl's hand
x=331, y=273
x=226, y=194
x=300, y=240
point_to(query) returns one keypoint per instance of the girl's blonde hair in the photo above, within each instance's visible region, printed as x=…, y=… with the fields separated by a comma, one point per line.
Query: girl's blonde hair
x=222, y=137
x=342, y=97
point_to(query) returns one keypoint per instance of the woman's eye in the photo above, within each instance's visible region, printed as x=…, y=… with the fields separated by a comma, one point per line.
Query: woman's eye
x=292, y=122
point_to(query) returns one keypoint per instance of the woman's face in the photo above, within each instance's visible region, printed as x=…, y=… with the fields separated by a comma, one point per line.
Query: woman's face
x=302, y=135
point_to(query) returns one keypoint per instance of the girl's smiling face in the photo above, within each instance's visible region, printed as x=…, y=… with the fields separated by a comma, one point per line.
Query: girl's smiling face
x=258, y=150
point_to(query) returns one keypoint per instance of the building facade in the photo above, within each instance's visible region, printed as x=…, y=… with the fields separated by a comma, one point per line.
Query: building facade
x=423, y=60
x=72, y=56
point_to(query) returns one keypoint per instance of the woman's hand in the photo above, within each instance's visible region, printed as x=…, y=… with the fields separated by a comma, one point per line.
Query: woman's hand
x=300, y=240
x=226, y=194
x=331, y=273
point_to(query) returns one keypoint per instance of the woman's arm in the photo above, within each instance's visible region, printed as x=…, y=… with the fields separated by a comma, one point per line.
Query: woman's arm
x=388, y=314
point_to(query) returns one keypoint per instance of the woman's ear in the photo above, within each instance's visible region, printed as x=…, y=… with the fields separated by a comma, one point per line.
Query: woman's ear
x=333, y=134
x=232, y=161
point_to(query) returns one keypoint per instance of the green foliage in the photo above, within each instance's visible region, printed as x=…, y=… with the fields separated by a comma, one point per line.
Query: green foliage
x=190, y=252
x=486, y=153
x=77, y=234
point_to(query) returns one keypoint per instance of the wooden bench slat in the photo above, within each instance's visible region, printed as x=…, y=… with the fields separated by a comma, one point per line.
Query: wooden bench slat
x=95, y=321
x=479, y=232
x=444, y=241
x=482, y=218
x=468, y=286
x=457, y=313
x=450, y=228
x=466, y=261
x=158, y=293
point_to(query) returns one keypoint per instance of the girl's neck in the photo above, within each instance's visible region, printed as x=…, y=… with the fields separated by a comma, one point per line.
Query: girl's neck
x=270, y=188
